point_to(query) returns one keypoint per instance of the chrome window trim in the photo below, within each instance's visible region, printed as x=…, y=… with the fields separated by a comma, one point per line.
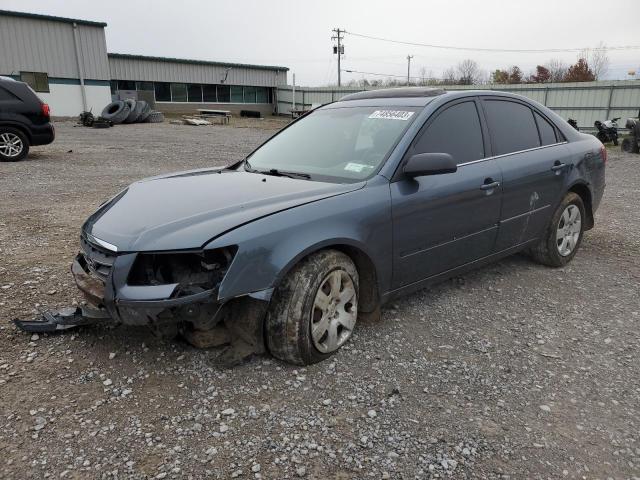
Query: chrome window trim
x=511, y=153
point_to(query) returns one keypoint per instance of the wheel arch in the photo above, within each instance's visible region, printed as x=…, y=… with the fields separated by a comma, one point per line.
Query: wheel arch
x=582, y=190
x=18, y=126
x=367, y=271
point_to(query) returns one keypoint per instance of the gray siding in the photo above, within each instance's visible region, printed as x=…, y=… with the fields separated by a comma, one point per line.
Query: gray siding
x=175, y=71
x=30, y=44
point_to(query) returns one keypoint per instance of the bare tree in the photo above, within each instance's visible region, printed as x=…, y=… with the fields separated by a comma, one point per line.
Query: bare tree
x=449, y=76
x=597, y=58
x=468, y=72
x=557, y=69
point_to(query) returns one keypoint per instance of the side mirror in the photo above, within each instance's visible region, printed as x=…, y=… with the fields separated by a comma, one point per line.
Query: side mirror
x=429, y=164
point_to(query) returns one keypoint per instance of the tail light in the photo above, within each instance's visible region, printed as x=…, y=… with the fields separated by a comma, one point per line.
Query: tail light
x=603, y=154
x=45, y=110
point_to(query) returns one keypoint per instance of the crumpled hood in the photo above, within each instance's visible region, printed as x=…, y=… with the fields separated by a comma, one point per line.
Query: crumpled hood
x=186, y=210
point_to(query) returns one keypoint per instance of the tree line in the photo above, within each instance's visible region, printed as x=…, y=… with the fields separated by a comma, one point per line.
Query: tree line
x=590, y=65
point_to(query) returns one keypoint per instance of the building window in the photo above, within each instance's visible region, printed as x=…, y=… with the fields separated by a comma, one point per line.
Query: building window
x=249, y=94
x=236, y=95
x=144, y=86
x=37, y=80
x=163, y=91
x=178, y=92
x=209, y=93
x=194, y=92
x=126, y=85
x=114, y=86
x=224, y=93
x=262, y=95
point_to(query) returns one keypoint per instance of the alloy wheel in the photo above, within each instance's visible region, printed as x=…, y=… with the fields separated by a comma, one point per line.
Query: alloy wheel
x=569, y=229
x=10, y=145
x=334, y=312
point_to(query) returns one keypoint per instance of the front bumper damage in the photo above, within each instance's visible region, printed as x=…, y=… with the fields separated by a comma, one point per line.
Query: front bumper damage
x=202, y=318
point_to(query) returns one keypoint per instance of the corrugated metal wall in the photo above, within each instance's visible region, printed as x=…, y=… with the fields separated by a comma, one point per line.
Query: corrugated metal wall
x=36, y=45
x=123, y=68
x=586, y=102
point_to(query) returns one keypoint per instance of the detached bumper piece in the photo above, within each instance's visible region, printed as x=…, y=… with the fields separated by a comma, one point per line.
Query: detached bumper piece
x=62, y=320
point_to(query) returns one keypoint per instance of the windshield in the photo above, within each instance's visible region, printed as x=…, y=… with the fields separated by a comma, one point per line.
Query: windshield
x=336, y=144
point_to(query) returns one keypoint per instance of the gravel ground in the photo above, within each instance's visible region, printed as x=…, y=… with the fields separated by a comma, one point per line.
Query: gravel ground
x=512, y=371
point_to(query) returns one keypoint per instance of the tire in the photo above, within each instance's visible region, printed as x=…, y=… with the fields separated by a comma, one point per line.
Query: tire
x=117, y=112
x=294, y=309
x=136, y=110
x=627, y=145
x=602, y=137
x=14, y=145
x=155, y=117
x=145, y=111
x=548, y=251
x=615, y=141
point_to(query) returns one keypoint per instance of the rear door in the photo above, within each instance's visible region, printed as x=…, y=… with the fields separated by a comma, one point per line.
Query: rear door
x=534, y=162
x=444, y=221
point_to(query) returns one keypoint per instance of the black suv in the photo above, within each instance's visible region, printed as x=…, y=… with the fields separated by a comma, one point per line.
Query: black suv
x=24, y=120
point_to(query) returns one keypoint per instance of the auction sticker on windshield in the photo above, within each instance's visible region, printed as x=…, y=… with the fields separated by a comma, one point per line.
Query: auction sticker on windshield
x=392, y=114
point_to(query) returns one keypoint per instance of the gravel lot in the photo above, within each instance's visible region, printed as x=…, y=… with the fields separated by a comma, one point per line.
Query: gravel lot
x=513, y=371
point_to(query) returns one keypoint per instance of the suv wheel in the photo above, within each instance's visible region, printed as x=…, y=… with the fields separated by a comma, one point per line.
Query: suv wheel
x=314, y=310
x=563, y=235
x=14, y=144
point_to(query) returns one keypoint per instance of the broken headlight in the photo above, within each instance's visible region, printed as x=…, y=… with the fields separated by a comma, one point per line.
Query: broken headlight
x=194, y=272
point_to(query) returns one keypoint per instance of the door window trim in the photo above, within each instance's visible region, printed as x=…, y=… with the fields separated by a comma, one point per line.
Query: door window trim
x=512, y=153
x=398, y=175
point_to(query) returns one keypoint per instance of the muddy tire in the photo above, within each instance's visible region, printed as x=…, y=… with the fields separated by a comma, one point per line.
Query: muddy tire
x=563, y=236
x=14, y=144
x=145, y=112
x=314, y=309
x=136, y=111
x=155, y=117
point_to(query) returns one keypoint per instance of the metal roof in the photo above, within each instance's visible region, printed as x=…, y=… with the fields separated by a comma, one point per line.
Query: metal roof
x=196, y=62
x=51, y=18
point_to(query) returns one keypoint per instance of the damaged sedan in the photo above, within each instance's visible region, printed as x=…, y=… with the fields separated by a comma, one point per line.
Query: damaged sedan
x=354, y=204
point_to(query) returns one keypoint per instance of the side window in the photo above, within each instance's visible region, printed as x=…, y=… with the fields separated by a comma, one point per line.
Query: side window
x=512, y=126
x=547, y=132
x=455, y=131
x=38, y=81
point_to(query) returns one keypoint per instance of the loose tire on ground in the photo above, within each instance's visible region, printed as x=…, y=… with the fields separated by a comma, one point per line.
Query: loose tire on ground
x=295, y=321
x=547, y=250
x=629, y=145
x=155, y=117
x=117, y=112
x=145, y=112
x=136, y=110
x=14, y=144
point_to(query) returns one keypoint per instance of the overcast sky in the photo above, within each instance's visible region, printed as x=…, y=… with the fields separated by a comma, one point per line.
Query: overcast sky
x=297, y=34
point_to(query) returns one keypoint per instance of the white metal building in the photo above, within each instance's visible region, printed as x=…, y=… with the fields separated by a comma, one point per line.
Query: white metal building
x=66, y=62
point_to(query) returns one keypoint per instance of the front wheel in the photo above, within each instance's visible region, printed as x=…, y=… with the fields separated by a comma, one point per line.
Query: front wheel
x=314, y=310
x=563, y=236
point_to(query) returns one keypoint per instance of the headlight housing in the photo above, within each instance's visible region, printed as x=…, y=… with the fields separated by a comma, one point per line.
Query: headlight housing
x=194, y=271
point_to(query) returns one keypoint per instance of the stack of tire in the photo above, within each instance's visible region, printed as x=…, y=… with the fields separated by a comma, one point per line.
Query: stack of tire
x=131, y=111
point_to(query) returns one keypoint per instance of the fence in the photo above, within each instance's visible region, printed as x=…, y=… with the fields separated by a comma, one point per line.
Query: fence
x=586, y=101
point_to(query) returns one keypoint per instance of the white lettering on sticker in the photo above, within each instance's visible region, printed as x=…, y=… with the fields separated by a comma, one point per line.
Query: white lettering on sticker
x=392, y=114
x=356, y=167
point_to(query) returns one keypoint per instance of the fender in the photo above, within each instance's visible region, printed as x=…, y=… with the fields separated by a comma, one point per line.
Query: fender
x=269, y=247
x=19, y=125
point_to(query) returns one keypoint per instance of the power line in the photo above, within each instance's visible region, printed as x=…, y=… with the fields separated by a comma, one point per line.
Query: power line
x=478, y=49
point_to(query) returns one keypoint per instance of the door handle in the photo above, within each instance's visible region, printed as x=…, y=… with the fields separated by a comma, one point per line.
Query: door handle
x=558, y=166
x=489, y=186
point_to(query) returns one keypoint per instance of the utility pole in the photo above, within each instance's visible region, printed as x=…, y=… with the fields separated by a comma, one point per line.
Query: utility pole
x=409, y=57
x=339, y=35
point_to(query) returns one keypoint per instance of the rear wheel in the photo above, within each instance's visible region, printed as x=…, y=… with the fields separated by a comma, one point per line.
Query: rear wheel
x=314, y=310
x=563, y=235
x=14, y=145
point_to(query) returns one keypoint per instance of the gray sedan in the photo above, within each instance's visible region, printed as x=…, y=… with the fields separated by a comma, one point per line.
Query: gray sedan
x=354, y=204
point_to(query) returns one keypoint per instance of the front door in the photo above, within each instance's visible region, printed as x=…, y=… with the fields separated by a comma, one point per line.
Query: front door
x=446, y=220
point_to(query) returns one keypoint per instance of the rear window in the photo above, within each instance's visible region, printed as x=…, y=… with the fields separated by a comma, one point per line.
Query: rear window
x=547, y=132
x=512, y=126
x=5, y=95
